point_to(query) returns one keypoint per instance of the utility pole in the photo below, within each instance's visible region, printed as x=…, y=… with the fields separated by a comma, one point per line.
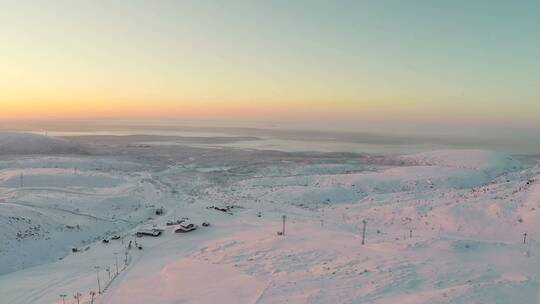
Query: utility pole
x=97, y=275
x=116, y=261
x=284, y=217
x=364, y=232
x=77, y=297
x=63, y=296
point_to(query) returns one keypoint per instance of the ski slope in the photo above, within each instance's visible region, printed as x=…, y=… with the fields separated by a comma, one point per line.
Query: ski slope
x=443, y=226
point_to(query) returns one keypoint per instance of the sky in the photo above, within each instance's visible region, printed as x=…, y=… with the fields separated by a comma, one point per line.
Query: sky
x=350, y=64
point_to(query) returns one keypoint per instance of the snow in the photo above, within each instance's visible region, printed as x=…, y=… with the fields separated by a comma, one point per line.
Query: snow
x=26, y=143
x=470, y=159
x=181, y=281
x=443, y=226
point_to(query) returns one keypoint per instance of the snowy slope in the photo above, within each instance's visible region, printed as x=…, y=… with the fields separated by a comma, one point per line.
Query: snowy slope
x=444, y=227
x=469, y=159
x=47, y=210
x=26, y=143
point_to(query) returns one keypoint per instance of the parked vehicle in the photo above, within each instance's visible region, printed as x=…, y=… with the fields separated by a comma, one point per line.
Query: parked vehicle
x=183, y=228
x=177, y=222
x=149, y=232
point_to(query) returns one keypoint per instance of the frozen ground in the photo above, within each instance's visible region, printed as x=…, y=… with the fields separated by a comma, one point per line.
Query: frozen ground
x=442, y=226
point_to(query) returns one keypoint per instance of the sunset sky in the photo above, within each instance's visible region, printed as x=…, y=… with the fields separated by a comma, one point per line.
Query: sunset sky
x=455, y=62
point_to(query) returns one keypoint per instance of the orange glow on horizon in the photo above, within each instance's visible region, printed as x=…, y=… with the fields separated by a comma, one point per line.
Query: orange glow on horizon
x=145, y=109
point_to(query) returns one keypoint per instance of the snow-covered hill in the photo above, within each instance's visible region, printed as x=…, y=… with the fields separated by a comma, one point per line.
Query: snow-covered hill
x=27, y=143
x=441, y=227
x=469, y=159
